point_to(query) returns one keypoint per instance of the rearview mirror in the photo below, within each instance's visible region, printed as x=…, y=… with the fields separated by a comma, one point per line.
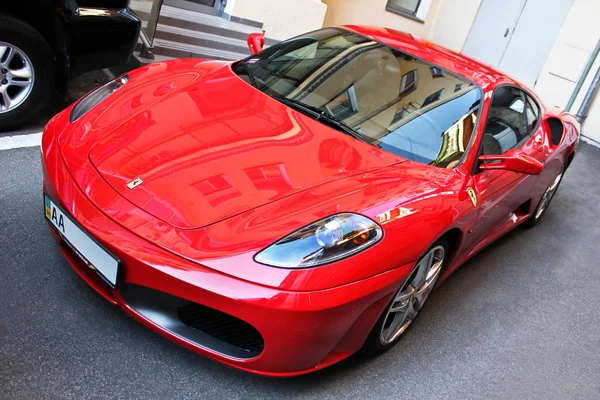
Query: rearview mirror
x=512, y=160
x=256, y=42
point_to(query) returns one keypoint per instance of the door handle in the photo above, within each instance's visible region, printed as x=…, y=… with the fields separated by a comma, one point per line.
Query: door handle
x=506, y=32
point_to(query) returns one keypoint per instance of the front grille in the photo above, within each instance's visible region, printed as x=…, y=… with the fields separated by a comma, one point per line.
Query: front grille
x=224, y=327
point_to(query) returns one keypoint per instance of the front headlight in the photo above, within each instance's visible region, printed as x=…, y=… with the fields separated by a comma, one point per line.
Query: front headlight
x=87, y=102
x=322, y=242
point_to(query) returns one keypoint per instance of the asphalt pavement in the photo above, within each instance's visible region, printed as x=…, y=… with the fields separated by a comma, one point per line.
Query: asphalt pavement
x=519, y=321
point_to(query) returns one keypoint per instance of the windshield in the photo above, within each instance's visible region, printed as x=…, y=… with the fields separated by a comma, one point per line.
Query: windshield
x=396, y=102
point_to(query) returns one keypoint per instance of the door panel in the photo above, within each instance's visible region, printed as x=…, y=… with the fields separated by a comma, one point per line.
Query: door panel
x=502, y=192
x=497, y=199
x=534, y=38
x=512, y=122
x=492, y=30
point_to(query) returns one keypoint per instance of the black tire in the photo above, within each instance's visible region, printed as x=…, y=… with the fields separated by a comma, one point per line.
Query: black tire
x=373, y=346
x=535, y=219
x=20, y=34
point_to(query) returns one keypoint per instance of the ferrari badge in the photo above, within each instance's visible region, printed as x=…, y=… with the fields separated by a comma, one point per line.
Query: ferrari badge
x=473, y=196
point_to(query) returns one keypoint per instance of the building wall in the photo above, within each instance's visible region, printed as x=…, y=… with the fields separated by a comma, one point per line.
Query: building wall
x=447, y=21
x=453, y=23
x=372, y=12
x=282, y=19
x=571, y=51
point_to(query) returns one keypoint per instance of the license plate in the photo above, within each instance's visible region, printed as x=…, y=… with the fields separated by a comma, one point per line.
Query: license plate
x=86, y=248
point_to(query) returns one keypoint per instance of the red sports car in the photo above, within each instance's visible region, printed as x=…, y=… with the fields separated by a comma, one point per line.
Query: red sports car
x=282, y=212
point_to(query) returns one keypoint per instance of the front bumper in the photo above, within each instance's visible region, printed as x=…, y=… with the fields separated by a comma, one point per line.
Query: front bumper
x=300, y=331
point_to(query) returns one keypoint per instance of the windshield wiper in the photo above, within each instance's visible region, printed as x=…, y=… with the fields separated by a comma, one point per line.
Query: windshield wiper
x=321, y=115
x=249, y=73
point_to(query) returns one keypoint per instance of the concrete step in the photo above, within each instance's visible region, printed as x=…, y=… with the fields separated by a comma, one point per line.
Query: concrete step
x=206, y=19
x=183, y=50
x=185, y=33
x=199, y=38
x=191, y=19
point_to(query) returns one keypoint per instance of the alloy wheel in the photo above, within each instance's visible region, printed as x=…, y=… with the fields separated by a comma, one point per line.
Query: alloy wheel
x=16, y=77
x=409, y=300
x=548, y=195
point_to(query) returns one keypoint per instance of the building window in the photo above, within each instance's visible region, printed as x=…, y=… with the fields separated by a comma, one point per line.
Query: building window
x=409, y=82
x=458, y=87
x=406, y=111
x=272, y=177
x=217, y=189
x=436, y=72
x=432, y=98
x=414, y=9
x=344, y=105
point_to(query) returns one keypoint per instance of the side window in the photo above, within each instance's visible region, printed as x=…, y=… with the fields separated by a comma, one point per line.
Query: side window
x=508, y=122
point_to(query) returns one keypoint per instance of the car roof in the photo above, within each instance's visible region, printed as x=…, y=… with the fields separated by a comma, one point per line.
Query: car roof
x=484, y=75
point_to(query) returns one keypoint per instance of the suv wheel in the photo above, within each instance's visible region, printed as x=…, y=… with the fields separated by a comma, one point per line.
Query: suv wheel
x=26, y=72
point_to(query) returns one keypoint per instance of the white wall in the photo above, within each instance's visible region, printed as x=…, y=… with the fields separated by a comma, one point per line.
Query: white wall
x=372, y=12
x=282, y=19
x=453, y=23
x=570, y=53
x=447, y=22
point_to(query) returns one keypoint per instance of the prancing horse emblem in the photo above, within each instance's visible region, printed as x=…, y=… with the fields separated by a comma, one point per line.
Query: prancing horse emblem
x=473, y=196
x=135, y=183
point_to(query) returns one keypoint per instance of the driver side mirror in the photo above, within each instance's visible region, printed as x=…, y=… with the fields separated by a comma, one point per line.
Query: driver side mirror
x=256, y=42
x=512, y=160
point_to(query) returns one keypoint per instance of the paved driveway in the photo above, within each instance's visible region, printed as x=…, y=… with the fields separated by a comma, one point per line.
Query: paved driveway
x=519, y=321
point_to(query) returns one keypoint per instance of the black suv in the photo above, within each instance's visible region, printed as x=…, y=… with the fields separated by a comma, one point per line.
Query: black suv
x=44, y=43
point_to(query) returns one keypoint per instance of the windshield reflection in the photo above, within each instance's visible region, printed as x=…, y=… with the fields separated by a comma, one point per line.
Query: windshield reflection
x=401, y=104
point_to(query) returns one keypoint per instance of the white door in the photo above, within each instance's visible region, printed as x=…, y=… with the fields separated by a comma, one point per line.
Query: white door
x=533, y=39
x=517, y=35
x=492, y=30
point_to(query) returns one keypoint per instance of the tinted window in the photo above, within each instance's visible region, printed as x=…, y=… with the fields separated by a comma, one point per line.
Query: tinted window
x=508, y=124
x=398, y=103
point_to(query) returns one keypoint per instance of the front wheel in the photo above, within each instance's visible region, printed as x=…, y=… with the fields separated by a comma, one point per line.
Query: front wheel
x=408, y=301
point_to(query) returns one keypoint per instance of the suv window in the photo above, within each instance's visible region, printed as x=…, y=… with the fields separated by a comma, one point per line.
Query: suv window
x=510, y=120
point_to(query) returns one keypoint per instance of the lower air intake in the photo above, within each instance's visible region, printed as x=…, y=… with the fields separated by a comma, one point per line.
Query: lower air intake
x=202, y=325
x=222, y=326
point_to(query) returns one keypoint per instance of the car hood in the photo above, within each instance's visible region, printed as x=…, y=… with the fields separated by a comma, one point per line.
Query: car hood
x=205, y=146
